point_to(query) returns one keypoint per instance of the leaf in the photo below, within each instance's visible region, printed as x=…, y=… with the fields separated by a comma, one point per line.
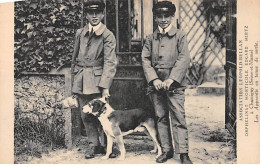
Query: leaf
x=50, y=53
x=43, y=15
x=62, y=7
x=33, y=61
x=50, y=29
x=17, y=30
x=50, y=40
x=53, y=17
x=73, y=3
x=23, y=32
x=29, y=34
x=59, y=47
x=29, y=26
x=33, y=5
x=21, y=19
x=58, y=39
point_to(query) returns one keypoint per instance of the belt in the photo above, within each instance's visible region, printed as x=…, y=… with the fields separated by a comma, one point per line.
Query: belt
x=88, y=64
x=162, y=64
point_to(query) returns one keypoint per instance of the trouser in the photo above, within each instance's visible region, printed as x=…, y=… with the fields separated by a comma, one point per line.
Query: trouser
x=92, y=125
x=165, y=102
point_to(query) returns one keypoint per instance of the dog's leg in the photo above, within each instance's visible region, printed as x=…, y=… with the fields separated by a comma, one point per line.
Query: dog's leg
x=155, y=149
x=127, y=133
x=153, y=133
x=109, y=146
x=137, y=129
x=120, y=142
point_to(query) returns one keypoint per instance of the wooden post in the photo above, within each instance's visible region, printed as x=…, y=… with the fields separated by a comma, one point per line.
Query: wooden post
x=67, y=113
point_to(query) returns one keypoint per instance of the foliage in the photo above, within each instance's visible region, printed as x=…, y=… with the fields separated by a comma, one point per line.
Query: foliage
x=44, y=33
x=38, y=125
x=214, y=11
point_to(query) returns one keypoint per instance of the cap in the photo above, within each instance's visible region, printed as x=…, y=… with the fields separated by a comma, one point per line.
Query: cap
x=94, y=5
x=165, y=7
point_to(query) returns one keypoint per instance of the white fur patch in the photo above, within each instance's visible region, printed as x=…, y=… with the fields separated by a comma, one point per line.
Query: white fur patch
x=103, y=100
x=87, y=109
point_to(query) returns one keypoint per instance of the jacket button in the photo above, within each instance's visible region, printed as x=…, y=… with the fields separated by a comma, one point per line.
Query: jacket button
x=162, y=46
x=160, y=57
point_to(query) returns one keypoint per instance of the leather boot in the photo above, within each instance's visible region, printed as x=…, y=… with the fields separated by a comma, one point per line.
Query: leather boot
x=101, y=150
x=90, y=153
x=164, y=157
x=185, y=159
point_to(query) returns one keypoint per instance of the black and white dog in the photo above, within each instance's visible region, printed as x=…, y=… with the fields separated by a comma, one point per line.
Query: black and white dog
x=117, y=123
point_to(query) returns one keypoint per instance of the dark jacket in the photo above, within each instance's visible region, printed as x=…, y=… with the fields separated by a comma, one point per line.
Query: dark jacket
x=166, y=56
x=95, y=61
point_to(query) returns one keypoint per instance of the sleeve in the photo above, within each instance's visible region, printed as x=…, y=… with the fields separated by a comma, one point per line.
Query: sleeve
x=181, y=65
x=110, y=60
x=149, y=71
x=76, y=49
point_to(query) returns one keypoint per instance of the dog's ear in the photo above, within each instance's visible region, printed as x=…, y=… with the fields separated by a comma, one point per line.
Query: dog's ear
x=98, y=106
x=103, y=99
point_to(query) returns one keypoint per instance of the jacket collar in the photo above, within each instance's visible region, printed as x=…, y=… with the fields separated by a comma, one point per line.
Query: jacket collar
x=170, y=33
x=98, y=32
x=95, y=28
x=166, y=29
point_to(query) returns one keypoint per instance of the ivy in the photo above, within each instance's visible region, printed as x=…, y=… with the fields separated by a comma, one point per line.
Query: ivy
x=44, y=34
x=215, y=10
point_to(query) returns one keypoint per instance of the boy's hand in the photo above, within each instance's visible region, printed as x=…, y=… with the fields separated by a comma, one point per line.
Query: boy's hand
x=167, y=83
x=157, y=84
x=105, y=93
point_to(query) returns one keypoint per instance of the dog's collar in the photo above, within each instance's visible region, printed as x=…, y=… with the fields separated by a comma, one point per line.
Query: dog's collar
x=102, y=109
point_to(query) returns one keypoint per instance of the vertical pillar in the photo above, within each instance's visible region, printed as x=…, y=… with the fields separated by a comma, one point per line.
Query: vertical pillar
x=67, y=113
x=72, y=116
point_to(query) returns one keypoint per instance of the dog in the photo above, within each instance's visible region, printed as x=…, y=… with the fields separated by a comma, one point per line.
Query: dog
x=118, y=123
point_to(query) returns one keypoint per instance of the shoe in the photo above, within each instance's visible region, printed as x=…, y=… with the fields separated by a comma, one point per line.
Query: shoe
x=185, y=159
x=164, y=157
x=101, y=150
x=89, y=155
x=90, y=152
x=112, y=155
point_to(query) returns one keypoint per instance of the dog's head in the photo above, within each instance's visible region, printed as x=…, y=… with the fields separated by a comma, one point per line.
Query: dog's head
x=95, y=107
x=70, y=102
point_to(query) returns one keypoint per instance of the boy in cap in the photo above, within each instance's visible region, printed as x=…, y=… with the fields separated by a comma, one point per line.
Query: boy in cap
x=94, y=65
x=165, y=59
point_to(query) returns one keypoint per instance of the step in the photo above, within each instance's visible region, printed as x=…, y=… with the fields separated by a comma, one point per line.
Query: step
x=211, y=88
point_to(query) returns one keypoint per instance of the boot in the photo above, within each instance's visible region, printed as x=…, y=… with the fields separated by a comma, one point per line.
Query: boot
x=164, y=157
x=185, y=159
x=90, y=153
x=101, y=150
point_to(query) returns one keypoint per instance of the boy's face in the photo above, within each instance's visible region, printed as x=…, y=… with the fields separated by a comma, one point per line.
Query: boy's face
x=163, y=20
x=95, y=17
